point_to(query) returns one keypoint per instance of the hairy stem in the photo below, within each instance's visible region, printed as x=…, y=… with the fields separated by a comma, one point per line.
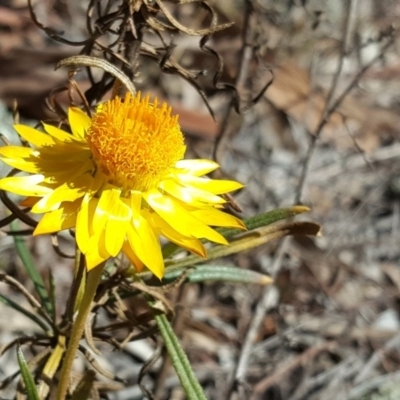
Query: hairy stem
x=93, y=280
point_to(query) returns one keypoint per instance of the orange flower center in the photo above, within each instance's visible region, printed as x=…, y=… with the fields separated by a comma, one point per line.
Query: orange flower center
x=134, y=142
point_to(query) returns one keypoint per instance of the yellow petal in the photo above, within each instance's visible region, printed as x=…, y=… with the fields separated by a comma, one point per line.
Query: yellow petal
x=22, y=158
x=25, y=185
x=93, y=258
x=136, y=203
x=211, y=185
x=191, y=244
x=22, y=165
x=16, y=152
x=79, y=122
x=65, y=159
x=34, y=136
x=63, y=172
x=84, y=222
x=58, y=220
x=45, y=204
x=116, y=227
x=69, y=191
x=180, y=219
x=57, y=133
x=146, y=246
x=197, y=167
x=104, y=207
x=143, y=240
x=190, y=195
x=97, y=245
x=132, y=257
x=71, y=151
x=218, y=218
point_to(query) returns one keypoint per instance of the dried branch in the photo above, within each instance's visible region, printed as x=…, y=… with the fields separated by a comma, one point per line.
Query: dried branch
x=330, y=105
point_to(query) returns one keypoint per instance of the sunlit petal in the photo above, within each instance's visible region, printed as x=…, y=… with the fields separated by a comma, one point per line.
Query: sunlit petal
x=180, y=219
x=146, y=246
x=210, y=185
x=116, y=227
x=34, y=136
x=218, y=218
x=53, y=200
x=16, y=152
x=65, y=192
x=58, y=220
x=191, y=244
x=105, y=204
x=84, y=222
x=197, y=167
x=94, y=257
x=79, y=122
x=25, y=185
x=143, y=239
x=97, y=244
x=45, y=204
x=28, y=163
x=190, y=195
x=57, y=133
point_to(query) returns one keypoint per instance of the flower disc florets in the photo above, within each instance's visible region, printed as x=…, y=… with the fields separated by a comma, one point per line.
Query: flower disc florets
x=126, y=139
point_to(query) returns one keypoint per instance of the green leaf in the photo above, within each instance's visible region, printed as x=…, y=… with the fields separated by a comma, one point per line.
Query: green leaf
x=210, y=273
x=52, y=294
x=10, y=303
x=265, y=219
x=249, y=240
x=27, y=261
x=27, y=377
x=179, y=360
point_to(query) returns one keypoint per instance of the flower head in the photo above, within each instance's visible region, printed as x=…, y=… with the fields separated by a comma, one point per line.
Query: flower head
x=121, y=181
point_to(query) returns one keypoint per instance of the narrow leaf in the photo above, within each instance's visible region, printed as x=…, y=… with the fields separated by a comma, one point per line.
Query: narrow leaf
x=27, y=377
x=10, y=303
x=179, y=360
x=250, y=240
x=27, y=260
x=266, y=219
x=212, y=273
x=52, y=294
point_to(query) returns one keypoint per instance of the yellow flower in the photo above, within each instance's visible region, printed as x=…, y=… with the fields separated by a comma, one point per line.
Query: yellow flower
x=120, y=180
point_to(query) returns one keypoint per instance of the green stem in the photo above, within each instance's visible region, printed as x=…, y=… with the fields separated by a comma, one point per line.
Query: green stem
x=93, y=280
